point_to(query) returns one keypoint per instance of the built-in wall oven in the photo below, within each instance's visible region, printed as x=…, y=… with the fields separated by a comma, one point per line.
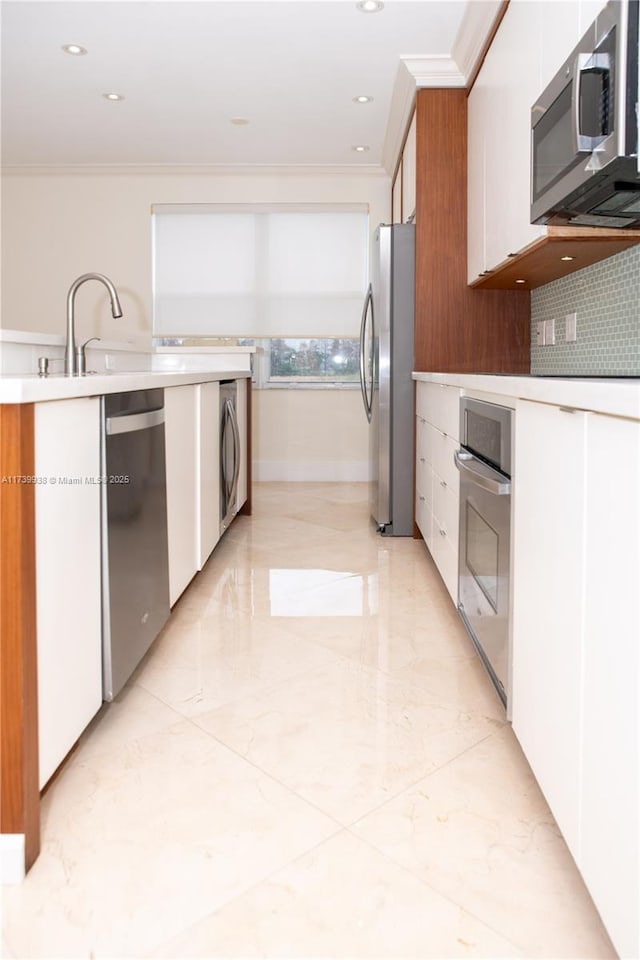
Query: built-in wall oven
x=484, y=590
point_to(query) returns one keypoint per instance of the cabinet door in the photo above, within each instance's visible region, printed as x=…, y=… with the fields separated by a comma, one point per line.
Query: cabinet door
x=610, y=834
x=209, y=469
x=69, y=602
x=181, y=436
x=409, y=173
x=242, y=412
x=548, y=550
x=477, y=117
x=513, y=65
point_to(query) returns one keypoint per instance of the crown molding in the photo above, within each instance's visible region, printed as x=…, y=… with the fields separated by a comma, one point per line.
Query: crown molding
x=195, y=169
x=414, y=73
x=473, y=34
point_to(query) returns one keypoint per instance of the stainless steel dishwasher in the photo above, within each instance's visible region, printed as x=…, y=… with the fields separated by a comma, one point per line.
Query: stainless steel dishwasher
x=135, y=561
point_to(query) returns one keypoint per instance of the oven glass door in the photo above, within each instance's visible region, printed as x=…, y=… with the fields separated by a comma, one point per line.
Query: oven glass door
x=485, y=532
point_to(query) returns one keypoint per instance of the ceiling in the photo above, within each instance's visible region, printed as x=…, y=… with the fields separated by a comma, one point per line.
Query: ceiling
x=289, y=67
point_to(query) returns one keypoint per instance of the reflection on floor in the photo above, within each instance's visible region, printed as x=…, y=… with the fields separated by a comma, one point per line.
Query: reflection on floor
x=310, y=762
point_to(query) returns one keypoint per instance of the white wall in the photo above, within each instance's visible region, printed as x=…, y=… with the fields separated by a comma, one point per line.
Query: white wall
x=58, y=224
x=309, y=435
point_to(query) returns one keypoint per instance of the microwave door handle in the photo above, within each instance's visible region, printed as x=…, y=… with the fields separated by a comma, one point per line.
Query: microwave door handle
x=482, y=476
x=585, y=63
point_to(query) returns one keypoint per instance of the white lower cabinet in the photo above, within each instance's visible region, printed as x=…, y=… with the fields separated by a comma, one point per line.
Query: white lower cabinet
x=548, y=537
x=610, y=814
x=183, y=524
x=68, y=592
x=437, y=501
x=208, y=472
x=576, y=633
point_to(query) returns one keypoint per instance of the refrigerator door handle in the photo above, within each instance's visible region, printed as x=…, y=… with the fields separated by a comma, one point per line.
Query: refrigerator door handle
x=367, y=396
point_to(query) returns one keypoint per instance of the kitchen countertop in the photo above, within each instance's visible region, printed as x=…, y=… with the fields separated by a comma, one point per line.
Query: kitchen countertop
x=34, y=389
x=616, y=397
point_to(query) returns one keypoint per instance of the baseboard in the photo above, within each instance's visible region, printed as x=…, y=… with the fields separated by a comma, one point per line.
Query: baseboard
x=12, y=861
x=324, y=471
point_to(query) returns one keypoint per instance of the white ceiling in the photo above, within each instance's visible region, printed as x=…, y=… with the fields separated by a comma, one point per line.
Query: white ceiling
x=291, y=67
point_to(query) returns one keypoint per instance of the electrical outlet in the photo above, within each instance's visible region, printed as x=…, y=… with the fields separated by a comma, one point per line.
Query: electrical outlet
x=570, y=328
x=540, y=329
x=550, y=333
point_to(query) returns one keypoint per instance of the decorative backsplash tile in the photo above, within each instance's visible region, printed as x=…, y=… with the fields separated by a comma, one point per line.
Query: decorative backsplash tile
x=606, y=299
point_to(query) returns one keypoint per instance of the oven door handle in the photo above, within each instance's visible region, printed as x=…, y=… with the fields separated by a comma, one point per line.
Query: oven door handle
x=482, y=475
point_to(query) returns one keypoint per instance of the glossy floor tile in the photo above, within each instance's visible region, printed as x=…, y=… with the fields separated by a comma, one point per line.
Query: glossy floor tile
x=310, y=762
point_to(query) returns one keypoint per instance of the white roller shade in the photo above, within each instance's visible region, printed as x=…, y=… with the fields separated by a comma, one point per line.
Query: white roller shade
x=259, y=274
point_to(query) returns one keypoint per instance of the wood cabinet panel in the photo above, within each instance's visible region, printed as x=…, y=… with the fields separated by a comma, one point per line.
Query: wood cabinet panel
x=457, y=329
x=19, y=793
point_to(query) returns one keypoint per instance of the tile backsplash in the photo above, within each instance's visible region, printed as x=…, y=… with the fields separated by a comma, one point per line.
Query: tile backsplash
x=606, y=299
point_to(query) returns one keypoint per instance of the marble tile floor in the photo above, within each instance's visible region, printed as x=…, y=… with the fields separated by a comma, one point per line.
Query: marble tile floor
x=309, y=763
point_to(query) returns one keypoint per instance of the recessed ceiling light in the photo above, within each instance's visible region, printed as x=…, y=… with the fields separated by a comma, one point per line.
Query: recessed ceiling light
x=360, y=148
x=370, y=6
x=363, y=99
x=239, y=121
x=567, y=258
x=113, y=96
x=74, y=49
x=521, y=281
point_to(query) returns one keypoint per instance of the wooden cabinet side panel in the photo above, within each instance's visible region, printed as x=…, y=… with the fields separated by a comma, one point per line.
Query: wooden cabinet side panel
x=19, y=793
x=457, y=329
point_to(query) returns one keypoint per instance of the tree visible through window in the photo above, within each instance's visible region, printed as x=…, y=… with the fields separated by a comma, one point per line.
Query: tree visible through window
x=332, y=359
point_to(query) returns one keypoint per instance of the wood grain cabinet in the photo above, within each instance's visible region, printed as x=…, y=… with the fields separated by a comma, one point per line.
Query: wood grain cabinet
x=457, y=329
x=576, y=658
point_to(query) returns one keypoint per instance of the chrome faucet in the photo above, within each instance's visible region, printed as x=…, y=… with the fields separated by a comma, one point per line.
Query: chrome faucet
x=70, y=357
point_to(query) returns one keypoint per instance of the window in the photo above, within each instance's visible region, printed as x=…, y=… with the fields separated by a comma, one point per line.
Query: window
x=260, y=271
x=331, y=360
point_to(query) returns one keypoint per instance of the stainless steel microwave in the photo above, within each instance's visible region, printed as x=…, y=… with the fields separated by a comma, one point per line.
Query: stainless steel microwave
x=584, y=129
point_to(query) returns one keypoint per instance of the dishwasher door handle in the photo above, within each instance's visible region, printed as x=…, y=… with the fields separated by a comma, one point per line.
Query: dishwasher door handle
x=127, y=423
x=482, y=475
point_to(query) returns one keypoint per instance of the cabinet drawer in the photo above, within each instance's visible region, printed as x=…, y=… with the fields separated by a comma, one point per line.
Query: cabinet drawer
x=445, y=556
x=424, y=483
x=424, y=516
x=446, y=505
x=439, y=405
x=443, y=462
x=425, y=440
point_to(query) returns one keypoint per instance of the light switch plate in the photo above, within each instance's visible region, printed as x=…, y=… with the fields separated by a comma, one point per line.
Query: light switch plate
x=540, y=329
x=570, y=328
x=550, y=333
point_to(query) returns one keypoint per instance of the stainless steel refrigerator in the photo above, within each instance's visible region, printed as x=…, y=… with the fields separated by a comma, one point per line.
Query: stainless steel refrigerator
x=386, y=363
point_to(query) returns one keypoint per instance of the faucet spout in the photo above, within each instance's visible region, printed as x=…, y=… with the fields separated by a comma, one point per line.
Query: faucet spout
x=70, y=359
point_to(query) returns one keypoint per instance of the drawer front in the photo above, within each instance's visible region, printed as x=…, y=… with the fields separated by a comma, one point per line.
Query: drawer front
x=440, y=405
x=424, y=517
x=445, y=556
x=443, y=462
x=446, y=506
x=424, y=484
x=424, y=441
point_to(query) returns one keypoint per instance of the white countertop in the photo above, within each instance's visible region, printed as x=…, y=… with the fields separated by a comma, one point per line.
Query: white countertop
x=35, y=389
x=617, y=397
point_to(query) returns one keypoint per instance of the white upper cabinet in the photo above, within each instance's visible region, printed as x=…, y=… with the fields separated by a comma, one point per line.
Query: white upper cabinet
x=533, y=40
x=396, y=198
